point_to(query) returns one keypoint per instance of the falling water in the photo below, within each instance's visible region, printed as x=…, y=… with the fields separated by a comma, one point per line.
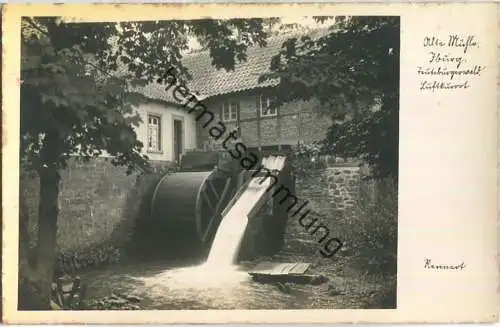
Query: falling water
x=232, y=228
x=219, y=269
x=218, y=272
x=227, y=241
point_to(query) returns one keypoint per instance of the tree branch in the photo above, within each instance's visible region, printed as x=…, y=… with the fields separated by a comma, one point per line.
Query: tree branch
x=35, y=26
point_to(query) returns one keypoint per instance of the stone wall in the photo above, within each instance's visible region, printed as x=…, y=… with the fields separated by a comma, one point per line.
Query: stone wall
x=98, y=204
x=332, y=189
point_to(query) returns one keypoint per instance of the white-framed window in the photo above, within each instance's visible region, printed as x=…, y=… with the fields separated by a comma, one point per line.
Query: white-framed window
x=230, y=110
x=264, y=105
x=154, y=133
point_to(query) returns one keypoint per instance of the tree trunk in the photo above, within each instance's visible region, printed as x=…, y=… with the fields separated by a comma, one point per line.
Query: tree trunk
x=48, y=211
x=26, y=264
x=28, y=285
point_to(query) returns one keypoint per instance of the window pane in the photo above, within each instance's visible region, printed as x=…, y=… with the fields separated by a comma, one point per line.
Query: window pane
x=154, y=133
x=225, y=111
x=234, y=110
x=265, y=106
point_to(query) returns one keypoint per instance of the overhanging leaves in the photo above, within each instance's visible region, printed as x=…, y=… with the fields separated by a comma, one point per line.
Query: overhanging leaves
x=77, y=79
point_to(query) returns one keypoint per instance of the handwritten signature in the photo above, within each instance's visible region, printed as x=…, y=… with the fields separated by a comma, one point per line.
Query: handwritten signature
x=429, y=265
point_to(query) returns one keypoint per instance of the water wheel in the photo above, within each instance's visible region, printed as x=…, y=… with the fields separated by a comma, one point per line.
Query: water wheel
x=191, y=202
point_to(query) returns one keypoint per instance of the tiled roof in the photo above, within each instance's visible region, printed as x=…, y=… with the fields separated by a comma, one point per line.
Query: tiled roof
x=207, y=81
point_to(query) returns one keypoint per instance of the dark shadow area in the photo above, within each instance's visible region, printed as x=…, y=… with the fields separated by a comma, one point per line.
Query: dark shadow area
x=153, y=240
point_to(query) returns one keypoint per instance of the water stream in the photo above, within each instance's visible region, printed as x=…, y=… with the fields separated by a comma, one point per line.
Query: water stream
x=188, y=285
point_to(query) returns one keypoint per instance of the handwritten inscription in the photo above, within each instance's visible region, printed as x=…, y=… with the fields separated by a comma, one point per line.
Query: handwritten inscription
x=449, y=64
x=431, y=265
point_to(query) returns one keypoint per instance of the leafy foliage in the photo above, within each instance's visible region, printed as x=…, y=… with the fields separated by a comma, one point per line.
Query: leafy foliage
x=372, y=227
x=352, y=69
x=307, y=150
x=305, y=158
x=76, y=98
x=147, y=49
x=71, y=261
x=372, y=136
x=66, y=109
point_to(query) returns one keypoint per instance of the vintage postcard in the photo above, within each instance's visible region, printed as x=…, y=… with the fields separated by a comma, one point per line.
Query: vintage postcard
x=250, y=163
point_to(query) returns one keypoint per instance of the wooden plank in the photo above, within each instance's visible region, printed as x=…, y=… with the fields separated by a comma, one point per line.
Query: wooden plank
x=271, y=272
x=272, y=268
x=292, y=278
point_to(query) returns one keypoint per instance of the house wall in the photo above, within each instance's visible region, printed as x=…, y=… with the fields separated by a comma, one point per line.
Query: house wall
x=167, y=113
x=295, y=121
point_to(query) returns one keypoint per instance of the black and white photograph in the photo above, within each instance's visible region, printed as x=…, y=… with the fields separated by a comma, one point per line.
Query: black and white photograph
x=209, y=164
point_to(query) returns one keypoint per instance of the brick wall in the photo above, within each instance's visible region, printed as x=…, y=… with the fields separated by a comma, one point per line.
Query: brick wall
x=295, y=121
x=98, y=204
